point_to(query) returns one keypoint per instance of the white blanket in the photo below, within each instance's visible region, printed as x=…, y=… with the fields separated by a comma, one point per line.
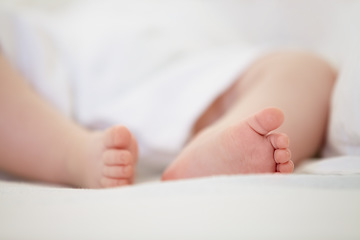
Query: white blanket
x=274, y=206
x=238, y=207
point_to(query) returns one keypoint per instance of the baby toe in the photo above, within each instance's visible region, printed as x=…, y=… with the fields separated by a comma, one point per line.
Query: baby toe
x=117, y=137
x=287, y=167
x=117, y=157
x=279, y=140
x=282, y=155
x=118, y=171
x=266, y=120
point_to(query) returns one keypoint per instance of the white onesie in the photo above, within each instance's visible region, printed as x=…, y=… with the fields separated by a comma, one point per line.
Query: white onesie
x=153, y=66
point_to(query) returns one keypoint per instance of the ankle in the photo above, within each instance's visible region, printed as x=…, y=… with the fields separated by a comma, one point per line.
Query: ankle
x=78, y=151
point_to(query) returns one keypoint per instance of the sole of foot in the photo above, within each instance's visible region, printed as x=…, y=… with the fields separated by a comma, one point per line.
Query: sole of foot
x=249, y=146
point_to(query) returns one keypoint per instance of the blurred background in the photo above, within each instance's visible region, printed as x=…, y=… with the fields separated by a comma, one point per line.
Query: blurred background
x=325, y=26
x=139, y=37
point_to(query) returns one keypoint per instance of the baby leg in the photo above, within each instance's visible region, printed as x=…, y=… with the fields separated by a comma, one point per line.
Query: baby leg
x=37, y=142
x=235, y=135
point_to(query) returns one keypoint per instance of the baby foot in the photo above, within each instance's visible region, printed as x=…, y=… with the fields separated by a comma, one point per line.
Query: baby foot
x=248, y=147
x=110, y=159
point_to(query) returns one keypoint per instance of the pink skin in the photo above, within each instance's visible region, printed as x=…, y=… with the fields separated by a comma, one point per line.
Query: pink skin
x=247, y=147
x=54, y=148
x=111, y=159
x=231, y=138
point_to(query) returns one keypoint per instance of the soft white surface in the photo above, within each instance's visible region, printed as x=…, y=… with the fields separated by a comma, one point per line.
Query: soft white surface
x=335, y=165
x=239, y=207
x=297, y=206
x=344, y=127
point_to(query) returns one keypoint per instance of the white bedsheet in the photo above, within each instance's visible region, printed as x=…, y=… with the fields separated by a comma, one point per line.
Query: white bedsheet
x=239, y=207
x=273, y=206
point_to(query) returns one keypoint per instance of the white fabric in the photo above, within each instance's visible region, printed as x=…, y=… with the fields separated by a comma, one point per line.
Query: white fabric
x=153, y=67
x=332, y=165
x=238, y=207
x=33, y=51
x=344, y=129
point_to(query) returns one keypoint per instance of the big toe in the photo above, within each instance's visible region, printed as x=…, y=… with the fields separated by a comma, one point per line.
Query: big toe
x=266, y=120
x=117, y=137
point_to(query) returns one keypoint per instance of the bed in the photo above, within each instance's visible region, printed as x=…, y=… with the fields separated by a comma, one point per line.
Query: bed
x=321, y=200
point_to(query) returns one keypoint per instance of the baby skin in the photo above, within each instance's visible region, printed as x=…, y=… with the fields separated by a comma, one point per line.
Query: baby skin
x=249, y=146
x=110, y=160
